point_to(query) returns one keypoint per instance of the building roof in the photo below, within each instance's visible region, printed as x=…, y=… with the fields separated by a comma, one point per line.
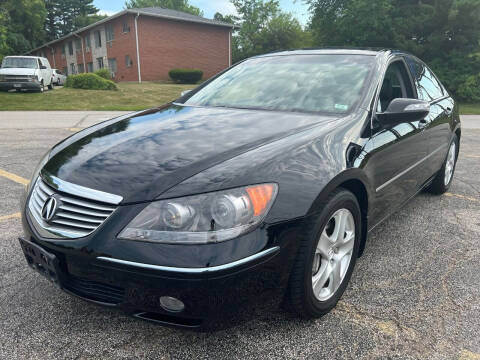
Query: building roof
x=151, y=11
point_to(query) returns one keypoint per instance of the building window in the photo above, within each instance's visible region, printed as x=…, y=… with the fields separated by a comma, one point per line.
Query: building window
x=65, y=69
x=128, y=61
x=100, y=62
x=98, y=38
x=81, y=68
x=72, y=68
x=90, y=67
x=63, y=50
x=112, y=65
x=125, y=27
x=88, y=43
x=78, y=45
x=109, y=33
x=70, y=47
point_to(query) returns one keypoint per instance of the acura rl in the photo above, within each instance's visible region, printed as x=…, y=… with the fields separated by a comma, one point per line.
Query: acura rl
x=260, y=186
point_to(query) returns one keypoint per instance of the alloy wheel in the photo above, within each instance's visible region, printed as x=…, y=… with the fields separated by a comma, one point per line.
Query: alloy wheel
x=333, y=254
x=450, y=164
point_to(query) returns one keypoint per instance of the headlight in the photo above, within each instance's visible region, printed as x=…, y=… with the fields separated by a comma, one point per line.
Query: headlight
x=202, y=219
x=33, y=77
x=2, y=78
x=38, y=168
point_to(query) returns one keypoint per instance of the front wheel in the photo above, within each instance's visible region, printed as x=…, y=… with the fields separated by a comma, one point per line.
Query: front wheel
x=50, y=87
x=442, y=181
x=327, y=256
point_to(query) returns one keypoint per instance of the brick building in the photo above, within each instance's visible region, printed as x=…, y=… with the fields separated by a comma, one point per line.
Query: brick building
x=143, y=44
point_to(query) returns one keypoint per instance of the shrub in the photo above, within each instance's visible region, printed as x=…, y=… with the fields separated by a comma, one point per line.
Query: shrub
x=186, y=76
x=89, y=81
x=469, y=90
x=104, y=73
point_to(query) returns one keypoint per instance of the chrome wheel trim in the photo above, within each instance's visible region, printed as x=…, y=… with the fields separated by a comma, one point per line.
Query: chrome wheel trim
x=333, y=254
x=450, y=164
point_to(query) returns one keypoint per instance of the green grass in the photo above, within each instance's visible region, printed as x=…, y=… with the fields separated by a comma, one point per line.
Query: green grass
x=130, y=97
x=470, y=109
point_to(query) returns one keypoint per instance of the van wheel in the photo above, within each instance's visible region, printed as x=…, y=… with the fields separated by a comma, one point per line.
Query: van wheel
x=51, y=86
x=327, y=256
x=42, y=87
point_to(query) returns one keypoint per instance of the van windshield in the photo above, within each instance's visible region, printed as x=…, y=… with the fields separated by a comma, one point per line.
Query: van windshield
x=18, y=62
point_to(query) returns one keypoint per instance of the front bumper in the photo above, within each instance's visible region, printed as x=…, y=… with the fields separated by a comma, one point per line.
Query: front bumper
x=5, y=86
x=214, y=296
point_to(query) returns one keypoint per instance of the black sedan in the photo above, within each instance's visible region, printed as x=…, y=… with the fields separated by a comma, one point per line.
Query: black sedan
x=259, y=187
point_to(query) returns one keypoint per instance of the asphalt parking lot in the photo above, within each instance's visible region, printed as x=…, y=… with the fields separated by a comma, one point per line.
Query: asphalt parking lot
x=415, y=293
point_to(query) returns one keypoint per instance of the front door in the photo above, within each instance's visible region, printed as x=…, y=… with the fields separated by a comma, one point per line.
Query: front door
x=395, y=163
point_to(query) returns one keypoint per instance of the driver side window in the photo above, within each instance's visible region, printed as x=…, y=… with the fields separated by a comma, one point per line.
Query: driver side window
x=396, y=84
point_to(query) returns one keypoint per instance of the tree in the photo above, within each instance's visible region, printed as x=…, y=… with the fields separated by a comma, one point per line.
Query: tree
x=180, y=5
x=444, y=33
x=264, y=28
x=21, y=25
x=65, y=16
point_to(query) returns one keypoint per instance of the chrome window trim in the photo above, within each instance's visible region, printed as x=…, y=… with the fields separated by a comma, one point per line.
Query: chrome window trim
x=201, y=270
x=81, y=191
x=396, y=177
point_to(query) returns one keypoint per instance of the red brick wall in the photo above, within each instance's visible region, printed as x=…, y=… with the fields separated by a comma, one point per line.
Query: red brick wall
x=122, y=45
x=166, y=44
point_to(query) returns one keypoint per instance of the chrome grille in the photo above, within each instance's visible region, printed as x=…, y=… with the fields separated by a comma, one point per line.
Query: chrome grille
x=74, y=216
x=18, y=78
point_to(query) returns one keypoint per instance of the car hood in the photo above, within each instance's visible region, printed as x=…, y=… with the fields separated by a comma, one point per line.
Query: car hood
x=17, y=71
x=141, y=156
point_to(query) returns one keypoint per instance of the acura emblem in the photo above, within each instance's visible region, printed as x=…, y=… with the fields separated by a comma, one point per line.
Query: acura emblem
x=49, y=208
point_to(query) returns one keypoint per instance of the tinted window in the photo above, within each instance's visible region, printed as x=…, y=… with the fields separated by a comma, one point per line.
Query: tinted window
x=305, y=83
x=428, y=87
x=396, y=84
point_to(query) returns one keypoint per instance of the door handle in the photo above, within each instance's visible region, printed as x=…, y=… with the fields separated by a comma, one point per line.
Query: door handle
x=422, y=123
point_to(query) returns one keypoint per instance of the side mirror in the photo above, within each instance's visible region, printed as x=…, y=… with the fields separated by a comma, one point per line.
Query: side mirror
x=43, y=67
x=404, y=110
x=185, y=92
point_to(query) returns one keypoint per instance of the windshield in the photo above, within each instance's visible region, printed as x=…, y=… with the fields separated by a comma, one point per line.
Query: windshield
x=305, y=83
x=15, y=62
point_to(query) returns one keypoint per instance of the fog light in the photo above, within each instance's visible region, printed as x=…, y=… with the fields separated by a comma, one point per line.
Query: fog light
x=171, y=304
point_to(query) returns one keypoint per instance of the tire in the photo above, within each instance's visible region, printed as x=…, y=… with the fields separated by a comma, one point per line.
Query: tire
x=42, y=87
x=442, y=181
x=314, y=260
x=51, y=86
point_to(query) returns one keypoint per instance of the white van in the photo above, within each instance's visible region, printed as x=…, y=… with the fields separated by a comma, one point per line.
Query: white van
x=25, y=73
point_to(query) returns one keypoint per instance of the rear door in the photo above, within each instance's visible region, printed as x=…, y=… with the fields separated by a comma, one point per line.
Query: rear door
x=395, y=162
x=441, y=107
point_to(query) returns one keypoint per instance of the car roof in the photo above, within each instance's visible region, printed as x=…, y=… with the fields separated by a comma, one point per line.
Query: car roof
x=336, y=51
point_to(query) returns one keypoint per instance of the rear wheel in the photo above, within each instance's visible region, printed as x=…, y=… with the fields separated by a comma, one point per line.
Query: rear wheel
x=327, y=257
x=442, y=181
x=50, y=87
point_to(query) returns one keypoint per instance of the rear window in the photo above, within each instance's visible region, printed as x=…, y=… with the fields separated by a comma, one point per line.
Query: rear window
x=300, y=83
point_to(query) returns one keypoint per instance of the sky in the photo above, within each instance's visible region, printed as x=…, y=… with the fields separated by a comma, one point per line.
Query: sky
x=210, y=7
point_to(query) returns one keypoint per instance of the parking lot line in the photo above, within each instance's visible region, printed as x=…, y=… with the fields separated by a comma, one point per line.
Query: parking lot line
x=472, y=156
x=11, y=216
x=468, y=355
x=462, y=197
x=13, y=177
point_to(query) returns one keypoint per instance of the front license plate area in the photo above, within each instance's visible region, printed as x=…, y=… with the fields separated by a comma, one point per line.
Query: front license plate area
x=17, y=85
x=41, y=261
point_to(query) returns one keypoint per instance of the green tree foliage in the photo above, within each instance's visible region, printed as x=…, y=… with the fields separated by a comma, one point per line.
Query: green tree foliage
x=21, y=25
x=180, y=5
x=444, y=33
x=263, y=27
x=65, y=16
